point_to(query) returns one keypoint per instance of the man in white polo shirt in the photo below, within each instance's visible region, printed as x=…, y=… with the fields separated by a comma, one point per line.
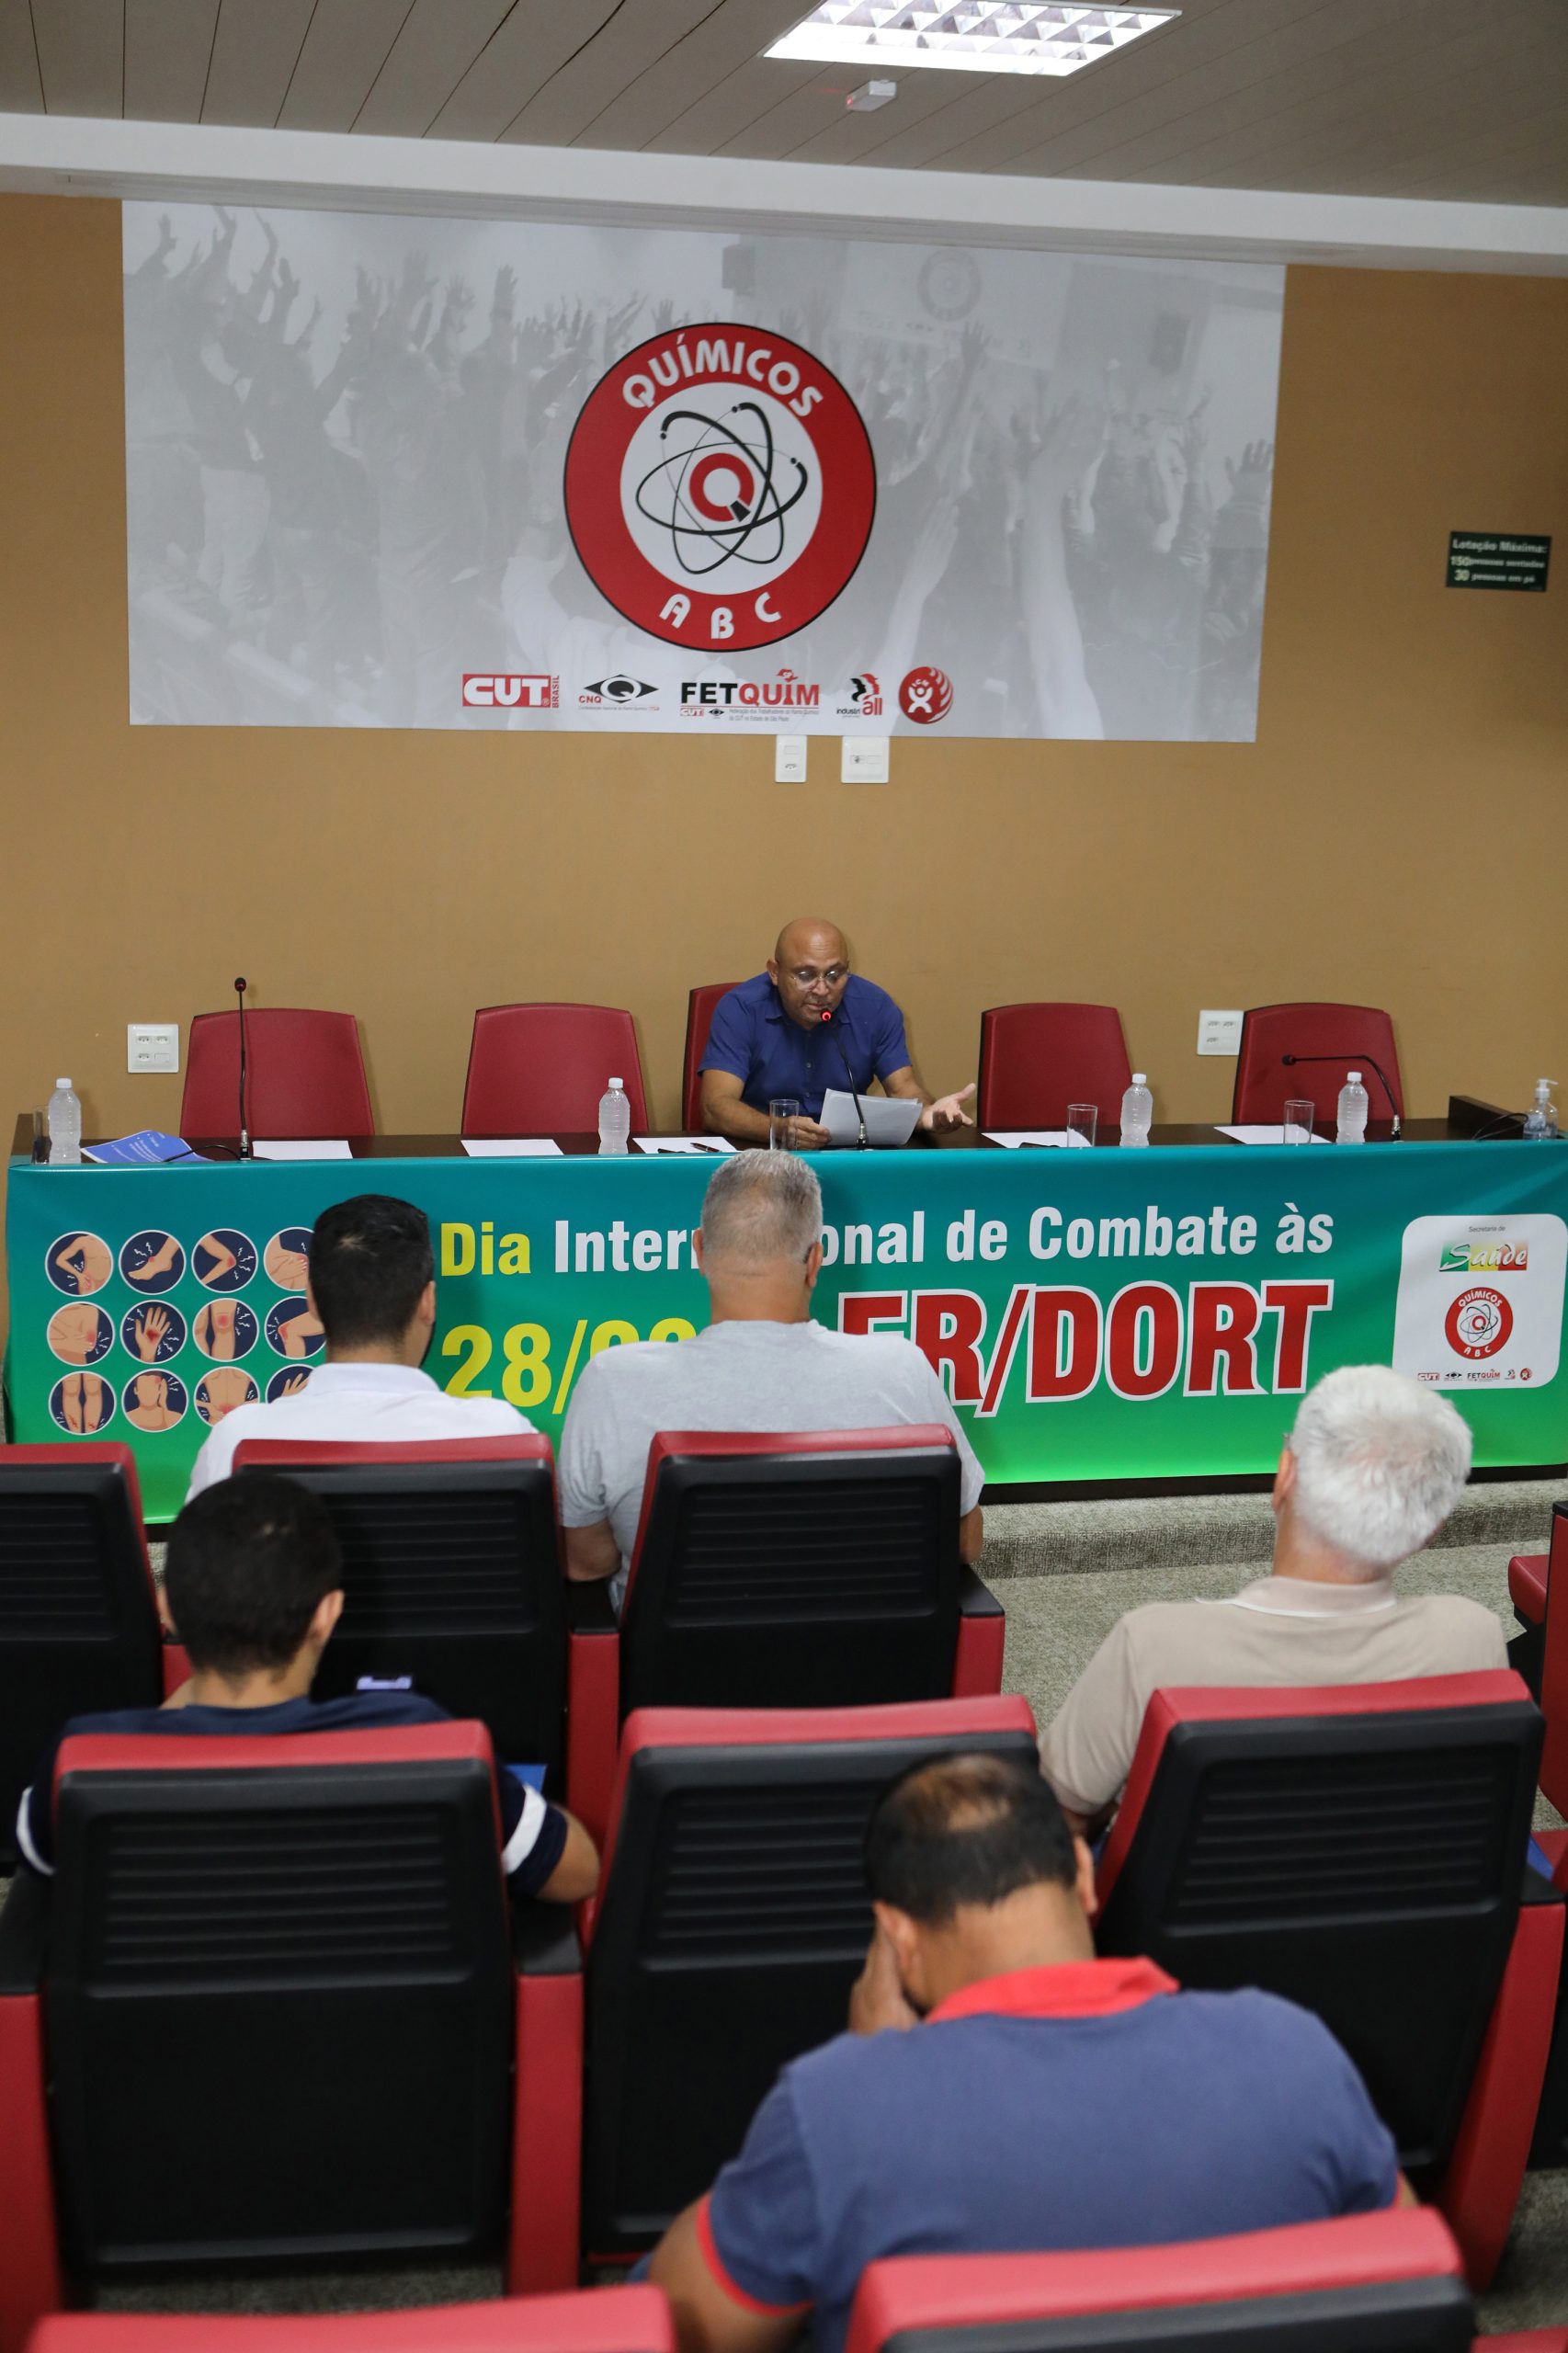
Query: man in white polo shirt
x=762, y=1364
x=371, y=1281
x=1371, y=1470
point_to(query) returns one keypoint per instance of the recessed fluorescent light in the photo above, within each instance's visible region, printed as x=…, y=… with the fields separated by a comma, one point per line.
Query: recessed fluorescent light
x=979, y=36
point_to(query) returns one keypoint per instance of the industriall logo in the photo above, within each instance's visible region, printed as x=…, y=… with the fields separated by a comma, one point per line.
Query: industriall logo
x=720, y=487
x=865, y=700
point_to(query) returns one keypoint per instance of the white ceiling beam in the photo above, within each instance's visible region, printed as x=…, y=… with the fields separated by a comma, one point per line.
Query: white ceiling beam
x=169, y=162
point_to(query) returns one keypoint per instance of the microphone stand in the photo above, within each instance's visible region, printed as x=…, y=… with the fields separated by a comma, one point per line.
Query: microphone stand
x=1396, y=1131
x=829, y=1021
x=244, y=1151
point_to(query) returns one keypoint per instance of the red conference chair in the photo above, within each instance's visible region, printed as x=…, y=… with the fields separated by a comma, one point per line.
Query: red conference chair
x=1353, y=1035
x=540, y=1070
x=79, y=1627
x=731, y=1922
x=1394, y=2279
x=812, y=1568
x=326, y=1913
x=589, y=2320
x=451, y=1577
x=1533, y=1577
x=700, y=1005
x=304, y=1075
x=1036, y=1059
x=1362, y=1851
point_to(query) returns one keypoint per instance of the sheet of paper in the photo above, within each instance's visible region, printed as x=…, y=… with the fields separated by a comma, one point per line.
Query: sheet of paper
x=889, y=1122
x=683, y=1143
x=511, y=1147
x=1272, y=1133
x=149, y=1147
x=1013, y=1137
x=303, y=1148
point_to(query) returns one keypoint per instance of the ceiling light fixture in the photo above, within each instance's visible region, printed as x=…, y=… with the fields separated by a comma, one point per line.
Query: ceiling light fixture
x=979, y=36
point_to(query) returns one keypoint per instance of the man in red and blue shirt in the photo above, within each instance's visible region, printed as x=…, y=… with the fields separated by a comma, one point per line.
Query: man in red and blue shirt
x=254, y=1581
x=1001, y=2090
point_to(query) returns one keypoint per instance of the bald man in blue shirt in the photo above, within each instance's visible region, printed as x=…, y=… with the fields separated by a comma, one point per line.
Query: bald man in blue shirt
x=770, y=1041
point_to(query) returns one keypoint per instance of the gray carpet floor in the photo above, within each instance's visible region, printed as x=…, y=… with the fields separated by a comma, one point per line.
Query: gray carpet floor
x=1065, y=1572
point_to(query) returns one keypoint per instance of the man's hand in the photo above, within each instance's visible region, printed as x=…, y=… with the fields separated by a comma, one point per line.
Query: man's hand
x=807, y=1135
x=877, y=2000
x=148, y=1330
x=948, y=1111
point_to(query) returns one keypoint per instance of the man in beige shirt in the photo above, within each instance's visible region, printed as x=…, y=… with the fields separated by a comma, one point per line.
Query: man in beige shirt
x=1371, y=1470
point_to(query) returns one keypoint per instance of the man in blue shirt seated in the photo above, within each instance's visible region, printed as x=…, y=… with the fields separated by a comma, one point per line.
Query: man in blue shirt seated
x=253, y=1582
x=770, y=1042
x=1001, y=2090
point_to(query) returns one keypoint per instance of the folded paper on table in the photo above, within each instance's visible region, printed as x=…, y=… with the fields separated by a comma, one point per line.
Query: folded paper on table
x=682, y=1143
x=889, y=1120
x=1014, y=1137
x=303, y=1148
x=1271, y=1132
x=511, y=1147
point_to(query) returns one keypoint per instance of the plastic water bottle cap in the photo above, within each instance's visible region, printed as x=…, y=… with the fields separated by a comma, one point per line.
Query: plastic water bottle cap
x=62, y=1082
x=1139, y=1079
x=616, y=1083
x=1353, y=1078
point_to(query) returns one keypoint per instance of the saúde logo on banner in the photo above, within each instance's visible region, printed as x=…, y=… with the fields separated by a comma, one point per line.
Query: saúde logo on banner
x=1481, y=1300
x=720, y=487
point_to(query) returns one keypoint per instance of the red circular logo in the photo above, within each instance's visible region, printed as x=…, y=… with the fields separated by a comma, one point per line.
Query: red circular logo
x=1478, y=1322
x=926, y=696
x=720, y=487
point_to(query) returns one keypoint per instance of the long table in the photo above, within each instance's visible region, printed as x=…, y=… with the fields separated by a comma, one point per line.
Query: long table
x=1102, y=1319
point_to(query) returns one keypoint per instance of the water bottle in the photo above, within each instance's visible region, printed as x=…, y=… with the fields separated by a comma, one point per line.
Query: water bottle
x=1540, y=1122
x=1137, y=1110
x=1352, y=1110
x=64, y=1126
x=615, y=1117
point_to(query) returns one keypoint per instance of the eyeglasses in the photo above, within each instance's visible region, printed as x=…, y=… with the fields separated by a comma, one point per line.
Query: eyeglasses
x=833, y=974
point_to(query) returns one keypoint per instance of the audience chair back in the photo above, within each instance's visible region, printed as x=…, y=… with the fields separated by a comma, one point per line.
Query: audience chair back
x=304, y=1075
x=79, y=1631
x=540, y=1070
x=279, y=2004
x=1392, y=2280
x=1036, y=1059
x=597, y=2320
x=1554, y=1662
x=733, y=1923
x=701, y=1006
x=451, y=1577
x=1266, y=1083
x=1362, y=1851
x=784, y=1569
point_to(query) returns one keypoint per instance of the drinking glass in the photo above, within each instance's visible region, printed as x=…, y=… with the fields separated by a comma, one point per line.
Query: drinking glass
x=1083, y=1118
x=780, y=1113
x=1298, y=1116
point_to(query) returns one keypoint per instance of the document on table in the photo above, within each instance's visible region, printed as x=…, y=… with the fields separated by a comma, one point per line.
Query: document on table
x=890, y=1120
x=1273, y=1132
x=304, y=1148
x=511, y=1147
x=1063, y=1138
x=149, y=1147
x=682, y=1143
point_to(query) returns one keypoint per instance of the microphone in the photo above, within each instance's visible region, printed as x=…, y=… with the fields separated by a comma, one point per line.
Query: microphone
x=1396, y=1133
x=829, y=1022
x=244, y=1151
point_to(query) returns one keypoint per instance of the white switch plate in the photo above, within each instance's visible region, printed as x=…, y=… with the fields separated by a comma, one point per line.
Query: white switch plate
x=151, y=1045
x=1220, y=1033
x=789, y=759
x=864, y=759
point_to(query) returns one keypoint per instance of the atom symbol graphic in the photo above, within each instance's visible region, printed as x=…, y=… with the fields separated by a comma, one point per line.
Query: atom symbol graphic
x=715, y=493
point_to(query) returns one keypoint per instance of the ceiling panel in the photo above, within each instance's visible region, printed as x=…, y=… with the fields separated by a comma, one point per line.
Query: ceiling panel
x=435, y=45
x=848, y=138
x=80, y=55
x=732, y=105
x=346, y=46
x=733, y=37
x=254, y=55
x=636, y=37
x=168, y=46
x=538, y=37
x=21, y=91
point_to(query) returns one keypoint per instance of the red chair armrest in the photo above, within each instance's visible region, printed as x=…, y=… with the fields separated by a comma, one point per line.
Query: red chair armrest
x=593, y=1706
x=1527, y=1586
x=983, y=1635
x=546, y=2121
x=1481, y=2188
x=31, y=2282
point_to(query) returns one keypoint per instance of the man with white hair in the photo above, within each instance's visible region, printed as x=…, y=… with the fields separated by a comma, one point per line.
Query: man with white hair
x=762, y=1364
x=1371, y=1470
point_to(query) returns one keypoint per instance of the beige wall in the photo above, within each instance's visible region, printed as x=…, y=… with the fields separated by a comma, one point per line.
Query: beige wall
x=1395, y=836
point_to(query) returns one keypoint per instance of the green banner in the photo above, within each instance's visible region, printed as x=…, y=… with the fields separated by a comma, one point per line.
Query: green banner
x=1094, y=1316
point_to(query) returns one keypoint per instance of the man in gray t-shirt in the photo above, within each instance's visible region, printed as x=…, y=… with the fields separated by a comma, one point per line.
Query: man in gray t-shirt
x=762, y=1364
